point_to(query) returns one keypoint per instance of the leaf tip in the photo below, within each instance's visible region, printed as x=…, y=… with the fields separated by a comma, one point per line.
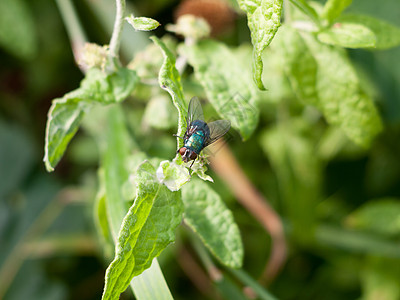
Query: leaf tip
x=47, y=164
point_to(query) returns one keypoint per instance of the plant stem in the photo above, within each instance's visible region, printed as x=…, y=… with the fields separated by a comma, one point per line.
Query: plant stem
x=216, y=275
x=131, y=41
x=117, y=31
x=250, y=282
x=308, y=10
x=195, y=272
x=212, y=270
x=74, y=29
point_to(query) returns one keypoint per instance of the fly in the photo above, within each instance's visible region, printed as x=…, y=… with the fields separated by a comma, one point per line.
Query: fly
x=200, y=134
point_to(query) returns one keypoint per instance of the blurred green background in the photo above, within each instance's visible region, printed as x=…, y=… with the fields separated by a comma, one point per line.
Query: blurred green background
x=49, y=248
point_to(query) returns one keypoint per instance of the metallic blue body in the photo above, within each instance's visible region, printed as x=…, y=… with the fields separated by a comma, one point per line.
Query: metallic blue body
x=198, y=133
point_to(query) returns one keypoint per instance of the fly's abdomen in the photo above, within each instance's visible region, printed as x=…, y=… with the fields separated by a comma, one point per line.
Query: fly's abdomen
x=196, y=141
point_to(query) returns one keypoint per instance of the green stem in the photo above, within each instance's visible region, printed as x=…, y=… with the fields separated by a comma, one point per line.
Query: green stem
x=131, y=41
x=308, y=10
x=73, y=26
x=151, y=284
x=238, y=273
x=250, y=282
x=212, y=270
x=117, y=31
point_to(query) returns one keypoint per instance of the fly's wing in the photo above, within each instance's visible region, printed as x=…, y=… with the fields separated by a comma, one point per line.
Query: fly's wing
x=217, y=130
x=195, y=112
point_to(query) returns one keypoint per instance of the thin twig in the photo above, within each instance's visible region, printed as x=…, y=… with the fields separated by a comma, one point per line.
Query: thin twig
x=307, y=10
x=194, y=272
x=214, y=273
x=226, y=166
x=117, y=31
x=74, y=28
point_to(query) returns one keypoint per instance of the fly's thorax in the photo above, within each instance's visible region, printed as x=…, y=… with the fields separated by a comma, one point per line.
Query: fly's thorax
x=200, y=125
x=196, y=141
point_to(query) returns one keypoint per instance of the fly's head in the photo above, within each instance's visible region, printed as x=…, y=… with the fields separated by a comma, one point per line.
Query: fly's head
x=187, y=154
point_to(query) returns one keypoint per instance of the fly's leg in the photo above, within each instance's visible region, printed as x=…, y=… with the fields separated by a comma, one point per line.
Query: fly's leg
x=191, y=165
x=178, y=136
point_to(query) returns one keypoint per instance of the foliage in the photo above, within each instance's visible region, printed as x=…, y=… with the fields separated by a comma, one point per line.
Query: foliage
x=319, y=132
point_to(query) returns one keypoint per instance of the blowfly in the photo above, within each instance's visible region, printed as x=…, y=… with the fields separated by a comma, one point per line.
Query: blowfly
x=198, y=133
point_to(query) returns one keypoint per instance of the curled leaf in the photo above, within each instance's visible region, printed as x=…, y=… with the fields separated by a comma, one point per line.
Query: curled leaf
x=171, y=174
x=263, y=19
x=142, y=23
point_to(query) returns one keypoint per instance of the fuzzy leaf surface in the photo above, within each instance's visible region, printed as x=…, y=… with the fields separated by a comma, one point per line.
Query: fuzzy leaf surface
x=263, y=19
x=170, y=80
x=148, y=227
x=66, y=113
x=325, y=78
x=348, y=35
x=299, y=64
x=207, y=215
x=387, y=35
x=341, y=98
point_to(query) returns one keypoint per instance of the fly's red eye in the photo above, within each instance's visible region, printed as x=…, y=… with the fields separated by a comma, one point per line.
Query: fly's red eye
x=193, y=156
x=182, y=151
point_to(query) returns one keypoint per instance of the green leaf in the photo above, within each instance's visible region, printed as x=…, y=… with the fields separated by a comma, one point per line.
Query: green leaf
x=263, y=19
x=173, y=175
x=356, y=242
x=207, y=215
x=100, y=210
x=117, y=144
x=381, y=216
x=142, y=23
x=387, y=35
x=323, y=76
x=63, y=121
x=170, y=80
x=380, y=278
x=160, y=113
x=348, y=35
x=146, y=230
x=17, y=29
x=108, y=88
x=311, y=10
x=340, y=96
x=298, y=63
x=199, y=168
x=225, y=79
x=333, y=9
x=65, y=114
